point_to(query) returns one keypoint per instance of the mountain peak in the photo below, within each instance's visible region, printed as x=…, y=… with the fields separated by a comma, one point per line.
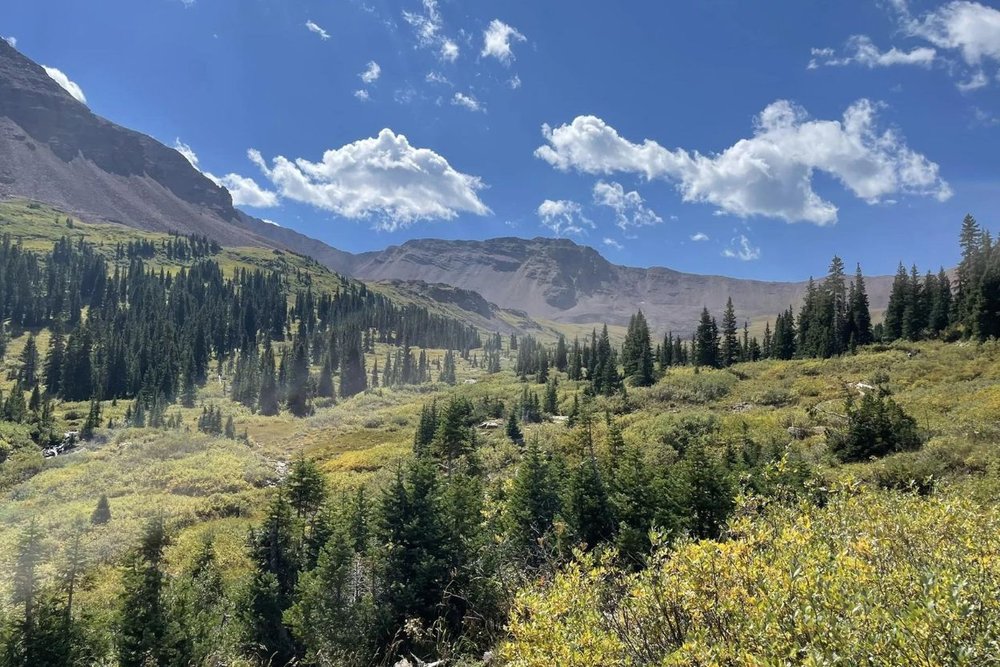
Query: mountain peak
x=55, y=149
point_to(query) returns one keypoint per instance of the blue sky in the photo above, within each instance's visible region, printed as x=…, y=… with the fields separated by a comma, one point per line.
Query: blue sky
x=778, y=133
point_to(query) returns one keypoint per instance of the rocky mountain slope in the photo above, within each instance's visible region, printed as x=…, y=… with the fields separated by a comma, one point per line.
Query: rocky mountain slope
x=53, y=149
x=563, y=281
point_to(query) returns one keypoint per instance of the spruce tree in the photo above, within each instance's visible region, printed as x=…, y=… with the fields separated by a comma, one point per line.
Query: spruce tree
x=512, y=429
x=28, y=373
x=144, y=621
x=268, y=402
x=299, y=389
x=447, y=375
x=729, y=347
x=54, y=360
x=637, y=352
x=859, y=315
x=895, y=312
x=532, y=506
x=706, y=341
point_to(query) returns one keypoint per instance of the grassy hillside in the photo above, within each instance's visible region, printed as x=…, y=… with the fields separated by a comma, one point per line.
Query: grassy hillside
x=816, y=552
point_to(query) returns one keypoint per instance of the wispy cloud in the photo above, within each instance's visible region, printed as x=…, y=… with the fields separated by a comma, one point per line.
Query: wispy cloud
x=700, y=236
x=467, y=101
x=611, y=243
x=860, y=50
x=314, y=27
x=372, y=72
x=563, y=217
x=429, y=29
x=740, y=248
x=629, y=207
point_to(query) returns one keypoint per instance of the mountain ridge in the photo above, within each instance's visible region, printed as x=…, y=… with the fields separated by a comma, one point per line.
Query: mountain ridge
x=563, y=281
x=55, y=150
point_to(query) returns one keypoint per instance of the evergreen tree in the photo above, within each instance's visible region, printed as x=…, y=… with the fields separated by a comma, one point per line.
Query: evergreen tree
x=353, y=376
x=92, y=422
x=729, y=347
x=447, y=375
x=895, y=312
x=54, y=360
x=267, y=403
x=144, y=623
x=941, y=304
x=513, y=430
x=324, y=387
x=414, y=563
x=551, y=403
x=271, y=588
x=28, y=374
x=299, y=387
x=587, y=506
x=427, y=427
x=706, y=341
x=968, y=272
x=26, y=592
x=637, y=352
x=532, y=506
x=859, y=320
x=709, y=492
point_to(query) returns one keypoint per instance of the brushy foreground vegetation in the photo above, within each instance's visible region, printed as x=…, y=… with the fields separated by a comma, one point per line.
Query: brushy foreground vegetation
x=864, y=578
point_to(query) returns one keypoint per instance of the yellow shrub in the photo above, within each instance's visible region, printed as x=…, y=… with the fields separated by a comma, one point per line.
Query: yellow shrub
x=872, y=578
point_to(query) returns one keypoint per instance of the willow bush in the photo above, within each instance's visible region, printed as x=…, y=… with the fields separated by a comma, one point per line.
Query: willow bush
x=870, y=578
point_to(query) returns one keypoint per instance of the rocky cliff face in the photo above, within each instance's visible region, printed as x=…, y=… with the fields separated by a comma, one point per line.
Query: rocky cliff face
x=54, y=149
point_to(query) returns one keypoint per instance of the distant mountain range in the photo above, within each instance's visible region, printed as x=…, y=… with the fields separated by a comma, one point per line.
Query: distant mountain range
x=55, y=150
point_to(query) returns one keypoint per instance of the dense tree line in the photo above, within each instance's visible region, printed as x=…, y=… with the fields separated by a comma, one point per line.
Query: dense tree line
x=124, y=330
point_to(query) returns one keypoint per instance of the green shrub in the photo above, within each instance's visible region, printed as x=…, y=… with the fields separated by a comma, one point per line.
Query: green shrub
x=876, y=426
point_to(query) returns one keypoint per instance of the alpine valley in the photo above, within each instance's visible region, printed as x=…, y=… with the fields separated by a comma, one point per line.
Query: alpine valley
x=225, y=443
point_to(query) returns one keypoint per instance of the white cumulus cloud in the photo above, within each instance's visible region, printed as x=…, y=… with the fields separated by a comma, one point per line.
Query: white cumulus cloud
x=361, y=94
x=741, y=249
x=313, y=27
x=971, y=28
x=372, y=72
x=700, y=236
x=10, y=40
x=383, y=179
x=770, y=173
x=64, y=81
x=629, y=207
x=563, y=217
x=611, y=243
x=497, y=39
